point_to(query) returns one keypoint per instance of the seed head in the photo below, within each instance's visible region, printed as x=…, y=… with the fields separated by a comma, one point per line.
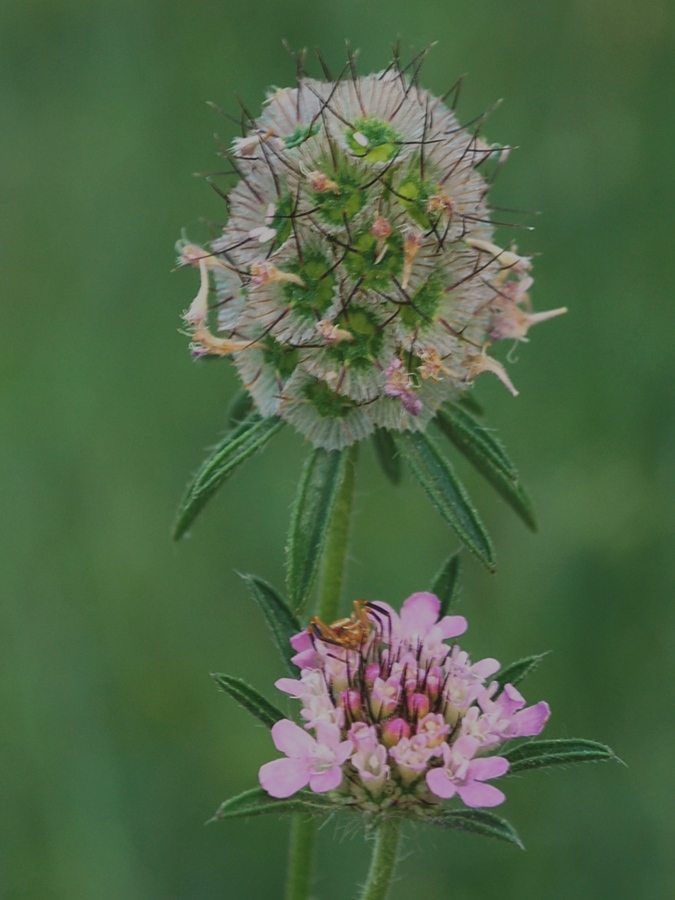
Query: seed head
x=357, y=282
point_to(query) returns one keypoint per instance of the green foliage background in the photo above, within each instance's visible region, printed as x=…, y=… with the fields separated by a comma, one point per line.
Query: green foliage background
x=114, y=744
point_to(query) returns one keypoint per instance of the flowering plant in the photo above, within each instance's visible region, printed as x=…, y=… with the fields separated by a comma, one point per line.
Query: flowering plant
x=401, y=720
x=358, y=288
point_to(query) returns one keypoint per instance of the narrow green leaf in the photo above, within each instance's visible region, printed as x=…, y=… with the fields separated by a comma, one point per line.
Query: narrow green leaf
x=488, y=456
x=446, y=491
x=468, y=401
x=479, y=821
x=319, y=488
x=515, y=673
x=239, y=409
x=257, y=802
x=387, y=455
x=236, y=446
x=249, y=698
x=446, y=584
x=538, y=754
x=281, y=621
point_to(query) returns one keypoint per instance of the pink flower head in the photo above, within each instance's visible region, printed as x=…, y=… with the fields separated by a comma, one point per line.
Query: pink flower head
x=400, y=715
x=462, y=774
x=317, y=763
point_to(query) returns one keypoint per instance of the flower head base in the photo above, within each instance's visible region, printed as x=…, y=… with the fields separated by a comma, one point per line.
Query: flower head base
x=403, y=720
x=358, y=255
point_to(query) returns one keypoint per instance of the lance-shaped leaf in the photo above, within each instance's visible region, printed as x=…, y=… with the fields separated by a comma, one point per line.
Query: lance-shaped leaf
x=446, y=491
x=311, y=517
x=235, y=447
x=479, y=821
x=515, y=673
x=249, y=698
x=539, y=754
x=279, y=618
x=468, y=401
x=387, y=455
x=257, y=802
x=447, y=583
x=488, y=456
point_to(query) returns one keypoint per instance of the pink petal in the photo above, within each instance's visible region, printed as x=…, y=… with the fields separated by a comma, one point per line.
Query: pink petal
x=490, y=767
x=327, y=781
x=465, y=746
x=328, y=735
x=486, y=667
x=301, y=641
x=306, y=659
x=439, y=783
x=283, y=777
x=510, y=699
x=419, y=613
x=478, y=794
x=531, y=721
x=452, y=626
x=291, y=739
x=343, y=752
x=291, y=686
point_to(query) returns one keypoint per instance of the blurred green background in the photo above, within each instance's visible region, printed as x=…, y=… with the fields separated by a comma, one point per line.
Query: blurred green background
x=114, y=744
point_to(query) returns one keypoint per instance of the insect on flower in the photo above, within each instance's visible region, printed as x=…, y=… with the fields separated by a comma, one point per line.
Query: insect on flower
x=350, y=632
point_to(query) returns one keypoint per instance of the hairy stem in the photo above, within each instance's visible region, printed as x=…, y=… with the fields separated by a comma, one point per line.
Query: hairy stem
x=303, y=829
x=335, y=556
x=300, y=858
x=383, y=862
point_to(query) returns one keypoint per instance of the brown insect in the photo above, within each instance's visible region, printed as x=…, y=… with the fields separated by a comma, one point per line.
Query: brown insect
x=349, y=633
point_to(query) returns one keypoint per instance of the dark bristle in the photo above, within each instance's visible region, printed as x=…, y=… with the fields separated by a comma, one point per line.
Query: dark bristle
x=455, y=92
x=322, y=62
x=252, y=121
x=223, y=112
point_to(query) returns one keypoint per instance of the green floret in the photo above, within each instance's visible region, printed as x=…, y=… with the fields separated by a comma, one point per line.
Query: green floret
x=317, y=294
x=360, y=262
x=334, y=208
x=367, y=343
x=423, y=304
x=413, y=193
x=326, y=402
x=284, y=359
x=300, y=135
x=382, y=140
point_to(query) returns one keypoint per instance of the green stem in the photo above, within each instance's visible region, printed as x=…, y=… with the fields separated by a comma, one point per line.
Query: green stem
x=383, y=863
x=301, y=852
x=335, y=556
x=303, y=829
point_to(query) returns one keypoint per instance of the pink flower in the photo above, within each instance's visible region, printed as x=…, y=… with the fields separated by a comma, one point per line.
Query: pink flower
x=412, y=756
x=463, y=775
x=419, y=625
x=399, y=384
x=317, y=763
x=371, y=764
x=504, y=718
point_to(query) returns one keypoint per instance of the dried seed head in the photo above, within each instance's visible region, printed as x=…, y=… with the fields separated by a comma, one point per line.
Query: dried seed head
x=357, y=281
